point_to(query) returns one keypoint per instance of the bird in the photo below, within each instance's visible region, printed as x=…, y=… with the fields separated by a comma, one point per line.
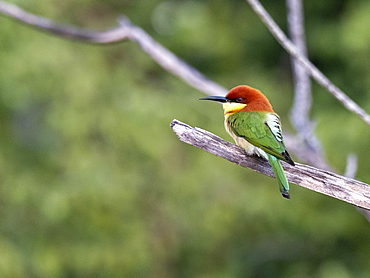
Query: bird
x=254, y=126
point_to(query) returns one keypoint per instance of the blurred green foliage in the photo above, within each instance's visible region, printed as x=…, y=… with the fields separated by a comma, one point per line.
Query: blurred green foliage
x=94, y=183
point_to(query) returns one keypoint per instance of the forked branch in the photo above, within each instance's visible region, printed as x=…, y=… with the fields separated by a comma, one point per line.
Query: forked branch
x=310, y=68
x=348, y=190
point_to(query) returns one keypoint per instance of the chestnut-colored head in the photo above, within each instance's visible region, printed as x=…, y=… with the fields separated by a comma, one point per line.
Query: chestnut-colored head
x=253, y=99
x=243, y=98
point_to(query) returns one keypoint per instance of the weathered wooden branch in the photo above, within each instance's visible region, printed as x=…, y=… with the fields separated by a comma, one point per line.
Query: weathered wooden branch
x=348, y=190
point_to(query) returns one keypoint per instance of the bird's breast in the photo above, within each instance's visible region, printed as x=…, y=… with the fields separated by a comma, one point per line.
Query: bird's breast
x=241, y=142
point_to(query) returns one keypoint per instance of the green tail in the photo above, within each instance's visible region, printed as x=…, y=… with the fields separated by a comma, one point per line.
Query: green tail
x=280, y=176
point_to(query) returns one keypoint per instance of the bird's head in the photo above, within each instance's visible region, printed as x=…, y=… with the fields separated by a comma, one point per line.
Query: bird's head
x=242, y=98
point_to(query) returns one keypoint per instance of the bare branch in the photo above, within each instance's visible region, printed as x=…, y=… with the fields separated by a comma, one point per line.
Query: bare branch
x=125, y=31
x=302, y=102
x=339, y=187
x=300, y=113
x=309, y=67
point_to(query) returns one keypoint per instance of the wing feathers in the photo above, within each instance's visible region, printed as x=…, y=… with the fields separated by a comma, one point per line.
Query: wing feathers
x=262, y=130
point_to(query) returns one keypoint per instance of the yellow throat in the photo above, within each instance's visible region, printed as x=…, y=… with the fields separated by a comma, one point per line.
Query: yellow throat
x=232, y=107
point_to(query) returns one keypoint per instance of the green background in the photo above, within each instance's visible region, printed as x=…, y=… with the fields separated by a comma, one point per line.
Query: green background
x=94, y=183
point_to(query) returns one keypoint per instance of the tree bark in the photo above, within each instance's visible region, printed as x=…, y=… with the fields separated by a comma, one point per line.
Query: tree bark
x=348, y=190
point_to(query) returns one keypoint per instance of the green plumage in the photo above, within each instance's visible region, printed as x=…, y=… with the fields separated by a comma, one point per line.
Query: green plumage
x=263, y=130
x=280, y=176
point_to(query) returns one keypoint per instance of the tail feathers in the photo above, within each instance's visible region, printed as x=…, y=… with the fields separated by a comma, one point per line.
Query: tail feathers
x=280, y=176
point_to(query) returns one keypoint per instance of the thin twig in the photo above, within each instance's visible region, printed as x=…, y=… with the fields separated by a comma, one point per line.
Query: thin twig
x=308, y=144
x=325, y=182
x=125, y=31
x=302, y=101
x=309, y=67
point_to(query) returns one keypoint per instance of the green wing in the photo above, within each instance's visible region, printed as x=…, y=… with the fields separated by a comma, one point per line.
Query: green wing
x=263, y=130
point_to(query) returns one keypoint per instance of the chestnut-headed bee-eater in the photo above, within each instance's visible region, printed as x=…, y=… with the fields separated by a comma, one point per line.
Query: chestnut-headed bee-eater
x=251, y=121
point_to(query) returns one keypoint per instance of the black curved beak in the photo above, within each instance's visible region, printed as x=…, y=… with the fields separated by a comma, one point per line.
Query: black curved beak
x=215, y=98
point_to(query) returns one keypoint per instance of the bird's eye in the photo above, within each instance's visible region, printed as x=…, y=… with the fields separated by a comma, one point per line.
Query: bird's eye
x=239, y=99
